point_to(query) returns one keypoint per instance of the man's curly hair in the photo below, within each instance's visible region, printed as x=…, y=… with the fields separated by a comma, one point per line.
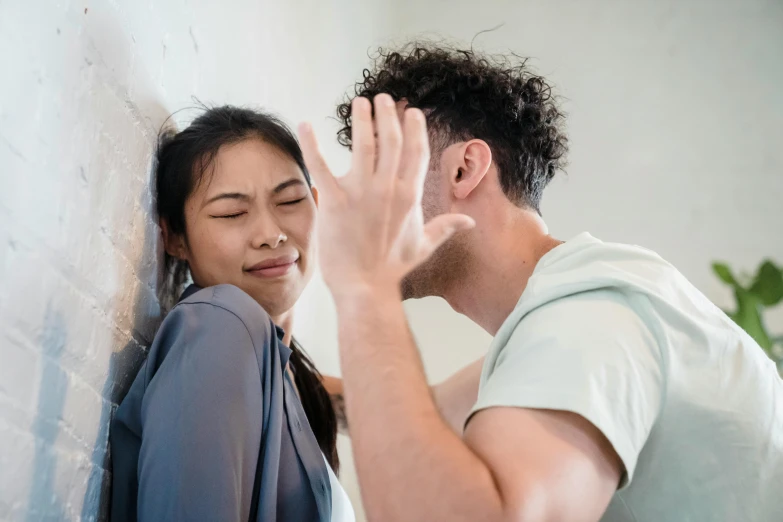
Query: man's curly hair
x=467, y=95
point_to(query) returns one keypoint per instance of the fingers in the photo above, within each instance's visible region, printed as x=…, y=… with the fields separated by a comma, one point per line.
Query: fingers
x=389, y=139
x=416, y=147
x=362, y=139
x=314, y=161
x=441, y=228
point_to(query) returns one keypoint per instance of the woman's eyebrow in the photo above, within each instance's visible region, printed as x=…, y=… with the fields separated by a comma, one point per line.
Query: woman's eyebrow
x=244, y=197
x=228, y=195
x=284, y=185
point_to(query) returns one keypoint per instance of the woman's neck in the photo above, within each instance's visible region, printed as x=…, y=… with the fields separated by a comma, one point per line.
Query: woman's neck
x=286, y=322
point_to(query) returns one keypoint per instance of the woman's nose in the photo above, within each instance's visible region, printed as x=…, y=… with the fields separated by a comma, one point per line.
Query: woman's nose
x=275, y=241
x=271, y=239
x=268, y=234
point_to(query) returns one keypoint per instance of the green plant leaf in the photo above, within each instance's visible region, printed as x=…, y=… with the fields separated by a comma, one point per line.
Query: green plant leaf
x=724, y=273
x=748, y=317
x=768, y=285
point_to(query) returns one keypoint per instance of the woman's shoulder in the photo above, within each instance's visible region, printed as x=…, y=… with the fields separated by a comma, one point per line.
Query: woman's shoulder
x=221, y=300
x=212, y=336
x=221, y=315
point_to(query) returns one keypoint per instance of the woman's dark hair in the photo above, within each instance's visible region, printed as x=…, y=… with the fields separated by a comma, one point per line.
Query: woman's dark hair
x=182, y=161
x=466, y=95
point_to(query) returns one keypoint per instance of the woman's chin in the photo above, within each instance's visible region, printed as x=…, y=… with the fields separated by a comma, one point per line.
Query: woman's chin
x=278, y=295
x=276, y=305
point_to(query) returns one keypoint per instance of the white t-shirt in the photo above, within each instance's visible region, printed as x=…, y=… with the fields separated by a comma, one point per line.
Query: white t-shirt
x=342, y=510
x=690, y=403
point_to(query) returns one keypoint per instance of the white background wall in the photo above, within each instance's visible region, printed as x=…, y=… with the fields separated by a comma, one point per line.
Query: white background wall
x=676, y=122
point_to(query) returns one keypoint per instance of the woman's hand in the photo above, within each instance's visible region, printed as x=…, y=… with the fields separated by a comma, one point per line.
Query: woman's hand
x=371, y=229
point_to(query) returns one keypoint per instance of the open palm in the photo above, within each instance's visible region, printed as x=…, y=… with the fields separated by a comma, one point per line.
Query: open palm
x=371, y=231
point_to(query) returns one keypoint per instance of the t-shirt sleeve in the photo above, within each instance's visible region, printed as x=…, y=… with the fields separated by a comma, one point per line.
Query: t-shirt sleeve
x=201, y=418
x=589, y=354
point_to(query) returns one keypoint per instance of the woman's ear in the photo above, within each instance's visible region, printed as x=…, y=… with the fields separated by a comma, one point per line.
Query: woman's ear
x=314, y=190
x=474, y=165
x=173, y=243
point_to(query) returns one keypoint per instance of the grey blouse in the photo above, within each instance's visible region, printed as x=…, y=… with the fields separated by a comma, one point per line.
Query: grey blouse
x=212, y=428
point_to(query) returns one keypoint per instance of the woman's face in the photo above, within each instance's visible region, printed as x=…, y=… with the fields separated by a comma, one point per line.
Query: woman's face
x=250, y=223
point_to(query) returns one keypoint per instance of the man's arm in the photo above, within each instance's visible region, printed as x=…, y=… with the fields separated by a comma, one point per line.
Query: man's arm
x=515, y=464
x=454, y=397
x=411, y=465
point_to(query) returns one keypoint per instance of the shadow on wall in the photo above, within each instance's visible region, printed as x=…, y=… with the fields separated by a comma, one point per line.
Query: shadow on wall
x=119, y=157
x=123, y=367
x=135, y=306
x=51, y=400
x=124, y=363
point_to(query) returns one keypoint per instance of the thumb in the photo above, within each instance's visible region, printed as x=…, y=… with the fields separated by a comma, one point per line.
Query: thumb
x=441, y=228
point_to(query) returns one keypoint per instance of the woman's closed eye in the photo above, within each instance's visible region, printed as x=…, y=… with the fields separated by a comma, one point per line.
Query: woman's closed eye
x=230, y=216
x=293, y=201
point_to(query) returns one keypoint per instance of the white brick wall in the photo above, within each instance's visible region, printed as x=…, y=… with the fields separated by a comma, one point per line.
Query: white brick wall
x=85, y=87
x=78, y=260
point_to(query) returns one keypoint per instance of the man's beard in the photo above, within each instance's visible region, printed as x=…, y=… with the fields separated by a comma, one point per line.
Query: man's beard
x=436, y=275
x=447, y=265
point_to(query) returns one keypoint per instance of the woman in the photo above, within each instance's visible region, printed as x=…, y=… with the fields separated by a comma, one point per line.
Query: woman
x=227, y=419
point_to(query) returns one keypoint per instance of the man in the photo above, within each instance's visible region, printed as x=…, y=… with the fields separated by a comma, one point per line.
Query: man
x=613, y=389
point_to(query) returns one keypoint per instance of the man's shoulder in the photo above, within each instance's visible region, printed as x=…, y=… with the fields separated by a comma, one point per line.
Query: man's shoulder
x=593, y=325
x=587, y=265
x=591, y=310
x=585, y=258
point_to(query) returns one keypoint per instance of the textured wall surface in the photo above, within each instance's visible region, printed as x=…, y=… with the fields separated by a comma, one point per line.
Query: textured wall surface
x=86, y=86
x=676, y=123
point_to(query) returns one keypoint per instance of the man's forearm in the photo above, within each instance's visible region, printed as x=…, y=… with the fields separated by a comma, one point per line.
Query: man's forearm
x=411, y=465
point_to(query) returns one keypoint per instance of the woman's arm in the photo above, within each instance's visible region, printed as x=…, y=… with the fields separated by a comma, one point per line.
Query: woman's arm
x=201, y=418
x=454, y=397
x=334, y=387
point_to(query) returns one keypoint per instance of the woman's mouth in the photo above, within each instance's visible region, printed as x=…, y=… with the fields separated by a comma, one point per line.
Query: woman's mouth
x=274, y=267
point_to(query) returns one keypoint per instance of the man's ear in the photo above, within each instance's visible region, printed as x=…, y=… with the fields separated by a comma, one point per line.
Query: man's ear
x=173, y=243
x=473, y=166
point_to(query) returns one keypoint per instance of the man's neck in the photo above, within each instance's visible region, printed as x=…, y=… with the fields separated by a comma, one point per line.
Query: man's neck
x=503, y=261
